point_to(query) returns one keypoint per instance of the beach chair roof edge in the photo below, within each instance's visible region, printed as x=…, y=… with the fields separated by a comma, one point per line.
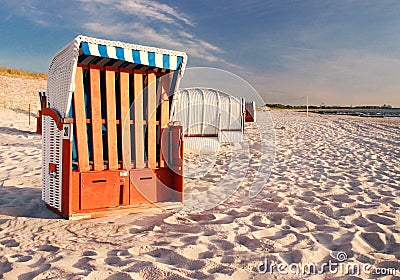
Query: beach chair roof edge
x=60, y=85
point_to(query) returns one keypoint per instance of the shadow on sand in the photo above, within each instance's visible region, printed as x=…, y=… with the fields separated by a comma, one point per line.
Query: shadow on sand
x=24, y=202
x=15, y=131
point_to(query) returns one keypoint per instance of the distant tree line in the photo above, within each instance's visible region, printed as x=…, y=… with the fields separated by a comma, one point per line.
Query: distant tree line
x=301, y=107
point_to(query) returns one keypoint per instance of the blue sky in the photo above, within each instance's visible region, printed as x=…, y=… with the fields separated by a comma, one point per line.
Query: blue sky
x=335, y=52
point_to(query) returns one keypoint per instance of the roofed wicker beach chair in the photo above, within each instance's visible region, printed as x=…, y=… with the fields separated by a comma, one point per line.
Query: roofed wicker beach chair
x=250, y=107
x=208, y=117
x=108, y=144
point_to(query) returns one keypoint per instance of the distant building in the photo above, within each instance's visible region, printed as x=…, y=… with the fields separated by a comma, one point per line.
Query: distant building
x=386, y=106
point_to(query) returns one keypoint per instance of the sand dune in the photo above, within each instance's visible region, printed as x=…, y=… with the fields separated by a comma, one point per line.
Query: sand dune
x=18, y=92
x=334, y=188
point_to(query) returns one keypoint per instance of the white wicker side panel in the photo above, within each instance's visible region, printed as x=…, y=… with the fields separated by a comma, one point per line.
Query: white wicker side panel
x=60, y=82
x=180, y=110
x=201, y=144
x=52, y=153
x=231, y=119
x=197, y=110
x=211, y=112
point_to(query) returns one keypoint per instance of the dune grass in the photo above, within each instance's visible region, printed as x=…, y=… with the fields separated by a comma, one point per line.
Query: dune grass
x=21, y=73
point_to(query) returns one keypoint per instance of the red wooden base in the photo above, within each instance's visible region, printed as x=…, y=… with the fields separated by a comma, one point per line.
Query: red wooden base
x=39, y=122
x=249, y=117
x=89, y=192
x=95, y=194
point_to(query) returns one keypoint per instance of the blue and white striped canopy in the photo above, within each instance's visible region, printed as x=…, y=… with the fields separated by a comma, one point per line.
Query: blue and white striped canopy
x=88, y=50
x=90, y=53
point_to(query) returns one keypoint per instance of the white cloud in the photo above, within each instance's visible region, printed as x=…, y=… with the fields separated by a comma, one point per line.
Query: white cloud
x=345, y=77
x=141, y=9
x=29, y=10
x=148, y=22
x=154, y=9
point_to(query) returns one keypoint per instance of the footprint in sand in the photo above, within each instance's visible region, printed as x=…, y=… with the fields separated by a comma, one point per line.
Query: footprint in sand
x=228, y=259
x=380, y=220
x=139, y=266
x=324, y=238
x=374, y=228
x=119, y=253
x=24, y=258
x=189, y=240
x=170, y=257
x=276, y=218
x=5, y=266
x=224, y=245
x=201, y=218
x=89, y=253
x=16, y=256
x=252, y=244
x=83, y=264
x=119, y=276
x=361, y=222
x=343, y=198
x=223, y=221
x=238, y=214
x=9, y=243
x=293, y=222
x=389, y=264
x=313, y=218
x=222, y=270
x=294, y=256
x=33, y=274
x=195, y=275
x=365, y=259
x=48, y=248
x=117, y=261
x=259, y=221
x=344, y=212
x=373, y=240
x=163, y=243
x=206, y=255
x=327, y=210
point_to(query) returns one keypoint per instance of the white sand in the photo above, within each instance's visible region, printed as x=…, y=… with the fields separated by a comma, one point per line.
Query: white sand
x=334, y=187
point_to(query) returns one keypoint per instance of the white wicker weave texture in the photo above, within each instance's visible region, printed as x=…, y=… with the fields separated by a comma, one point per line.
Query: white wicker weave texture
x=207, y=112
x=52, y=153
